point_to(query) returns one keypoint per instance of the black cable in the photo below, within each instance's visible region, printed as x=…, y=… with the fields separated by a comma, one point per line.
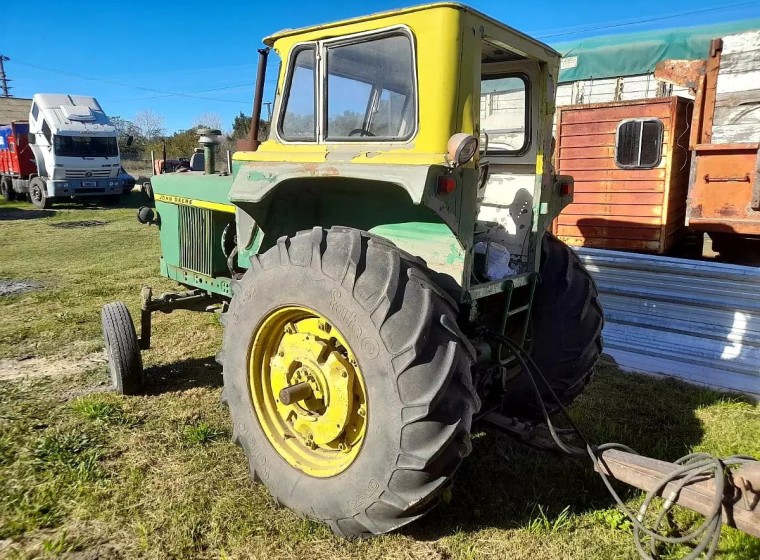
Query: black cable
x=692, y=466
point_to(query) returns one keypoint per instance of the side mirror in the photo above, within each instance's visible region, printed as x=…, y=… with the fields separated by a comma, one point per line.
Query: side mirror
x=30, y=138
x=130, y=139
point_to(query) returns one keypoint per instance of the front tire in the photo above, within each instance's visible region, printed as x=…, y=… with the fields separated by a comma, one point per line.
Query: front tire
x=411, y=360
x=38, y=194
x=122, y=348
x=566, y=328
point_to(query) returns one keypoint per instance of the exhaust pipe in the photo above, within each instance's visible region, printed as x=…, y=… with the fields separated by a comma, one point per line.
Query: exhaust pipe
x=251, y=143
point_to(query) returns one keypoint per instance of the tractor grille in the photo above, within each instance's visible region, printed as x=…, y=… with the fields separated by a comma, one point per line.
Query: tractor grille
x=83, y=173
x=196, y=239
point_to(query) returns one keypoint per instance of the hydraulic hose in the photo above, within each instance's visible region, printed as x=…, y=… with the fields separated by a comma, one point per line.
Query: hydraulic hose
x=692, y=466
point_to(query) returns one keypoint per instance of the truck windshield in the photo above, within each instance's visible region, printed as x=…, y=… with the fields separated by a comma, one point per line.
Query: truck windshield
x=85, y=146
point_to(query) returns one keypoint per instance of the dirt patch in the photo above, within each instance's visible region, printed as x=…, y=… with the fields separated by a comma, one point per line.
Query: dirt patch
x=25, y=367
x=13, y=287
x=78, y=224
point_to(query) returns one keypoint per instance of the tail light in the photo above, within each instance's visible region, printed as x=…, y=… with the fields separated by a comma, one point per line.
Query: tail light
x=447, y=184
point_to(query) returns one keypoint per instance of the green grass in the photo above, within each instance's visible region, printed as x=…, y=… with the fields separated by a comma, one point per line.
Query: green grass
x=85, y=473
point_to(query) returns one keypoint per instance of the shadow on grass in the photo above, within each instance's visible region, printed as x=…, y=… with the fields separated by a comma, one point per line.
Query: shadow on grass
x=184, y=375
x=8, y=214
x=134, y=199
x=502, y=482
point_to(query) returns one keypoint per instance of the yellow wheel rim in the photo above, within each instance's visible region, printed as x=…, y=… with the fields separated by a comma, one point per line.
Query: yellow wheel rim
x=308, y=391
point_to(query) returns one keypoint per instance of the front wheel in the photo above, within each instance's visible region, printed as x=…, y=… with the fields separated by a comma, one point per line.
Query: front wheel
x=38, y=194
x=347, y=379
x=122, y=348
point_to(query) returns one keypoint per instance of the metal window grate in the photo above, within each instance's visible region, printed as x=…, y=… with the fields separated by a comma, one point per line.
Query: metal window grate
x=195, y=237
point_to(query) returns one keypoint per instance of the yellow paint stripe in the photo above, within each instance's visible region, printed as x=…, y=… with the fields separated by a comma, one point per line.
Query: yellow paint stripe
x=171, y=199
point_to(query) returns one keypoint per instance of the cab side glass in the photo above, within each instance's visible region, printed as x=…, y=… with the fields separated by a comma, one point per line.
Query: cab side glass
x=299, y=116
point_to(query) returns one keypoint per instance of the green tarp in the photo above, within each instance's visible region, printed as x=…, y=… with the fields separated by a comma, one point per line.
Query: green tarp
x=633, y=54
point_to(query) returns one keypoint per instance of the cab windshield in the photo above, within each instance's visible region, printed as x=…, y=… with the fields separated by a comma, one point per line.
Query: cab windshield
x=85, y=146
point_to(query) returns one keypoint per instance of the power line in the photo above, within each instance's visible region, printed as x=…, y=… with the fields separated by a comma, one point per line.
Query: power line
x=625, y=23
x=248, y=84
x=123, y=84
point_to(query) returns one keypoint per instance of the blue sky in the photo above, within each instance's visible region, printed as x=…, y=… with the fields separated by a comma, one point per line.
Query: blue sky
x=207, y=50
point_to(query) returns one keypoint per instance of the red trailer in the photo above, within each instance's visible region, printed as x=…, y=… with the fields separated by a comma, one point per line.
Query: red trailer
x=16, y=158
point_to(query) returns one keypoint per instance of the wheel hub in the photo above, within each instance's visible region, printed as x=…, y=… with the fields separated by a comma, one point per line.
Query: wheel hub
x=308, y=391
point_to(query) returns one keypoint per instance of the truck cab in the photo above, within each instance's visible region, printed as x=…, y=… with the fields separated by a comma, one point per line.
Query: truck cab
x=74, y=145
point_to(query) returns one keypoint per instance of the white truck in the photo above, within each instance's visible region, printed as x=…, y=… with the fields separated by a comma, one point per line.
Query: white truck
x=74, y=146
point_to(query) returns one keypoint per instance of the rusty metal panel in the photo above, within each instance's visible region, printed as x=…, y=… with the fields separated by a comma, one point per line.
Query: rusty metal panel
x=630, y=209
x=695, y=320
x=684, y=73
x=724, y=181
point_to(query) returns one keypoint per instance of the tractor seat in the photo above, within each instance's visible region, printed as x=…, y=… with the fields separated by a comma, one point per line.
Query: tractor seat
x=197, y=162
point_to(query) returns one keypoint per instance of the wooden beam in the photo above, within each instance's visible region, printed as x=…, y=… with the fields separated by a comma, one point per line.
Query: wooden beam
x=740, y=502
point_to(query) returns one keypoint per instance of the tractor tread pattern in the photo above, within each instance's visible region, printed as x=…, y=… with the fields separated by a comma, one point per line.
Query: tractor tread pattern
x=437, y=413
x=123, y=348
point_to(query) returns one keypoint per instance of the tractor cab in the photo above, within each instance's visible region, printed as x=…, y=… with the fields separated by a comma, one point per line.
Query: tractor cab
x=428, y=126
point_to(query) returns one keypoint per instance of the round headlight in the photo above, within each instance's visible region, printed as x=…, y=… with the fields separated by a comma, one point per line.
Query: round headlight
x=462, y=147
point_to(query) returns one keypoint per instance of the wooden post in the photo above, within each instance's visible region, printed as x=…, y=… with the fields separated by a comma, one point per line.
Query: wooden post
x=741, y=495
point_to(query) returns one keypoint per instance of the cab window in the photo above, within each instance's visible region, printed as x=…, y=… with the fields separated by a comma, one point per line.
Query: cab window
x=299, y=115
x=504, y=113
x=370, y=89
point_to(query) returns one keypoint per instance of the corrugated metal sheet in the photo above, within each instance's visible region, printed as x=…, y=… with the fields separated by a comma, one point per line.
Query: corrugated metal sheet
x=699, y=321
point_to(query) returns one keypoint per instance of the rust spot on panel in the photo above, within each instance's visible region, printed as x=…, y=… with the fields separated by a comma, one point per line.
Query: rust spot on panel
x=319, y=170
x=728, y=211
x=684, y=73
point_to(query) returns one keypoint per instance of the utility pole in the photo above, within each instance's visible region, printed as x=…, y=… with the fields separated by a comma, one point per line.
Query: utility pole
x=3, y=78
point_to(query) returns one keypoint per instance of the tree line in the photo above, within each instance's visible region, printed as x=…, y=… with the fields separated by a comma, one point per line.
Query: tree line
x=148, y=134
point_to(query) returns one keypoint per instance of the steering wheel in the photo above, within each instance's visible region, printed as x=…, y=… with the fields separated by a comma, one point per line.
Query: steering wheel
x=360, y=132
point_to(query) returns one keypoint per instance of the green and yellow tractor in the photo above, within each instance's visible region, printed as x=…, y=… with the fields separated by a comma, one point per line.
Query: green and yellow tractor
x=381, y=262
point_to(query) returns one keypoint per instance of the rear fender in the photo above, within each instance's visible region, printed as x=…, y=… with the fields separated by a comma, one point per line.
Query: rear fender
x=393, y=205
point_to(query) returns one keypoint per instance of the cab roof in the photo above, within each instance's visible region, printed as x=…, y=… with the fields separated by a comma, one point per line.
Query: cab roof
x=269, y=41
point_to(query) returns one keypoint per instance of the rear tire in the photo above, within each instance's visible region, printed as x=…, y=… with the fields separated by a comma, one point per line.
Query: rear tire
x=566, y=328
x=123, y=349
x=38, y=194
x=413, y=359
x=6, y=190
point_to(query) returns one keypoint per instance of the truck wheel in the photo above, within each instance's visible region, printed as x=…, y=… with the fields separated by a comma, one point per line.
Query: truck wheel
x=6, y=190
x=124, y=360
x=38, y=194
x=566, y=332
x=347, y=379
